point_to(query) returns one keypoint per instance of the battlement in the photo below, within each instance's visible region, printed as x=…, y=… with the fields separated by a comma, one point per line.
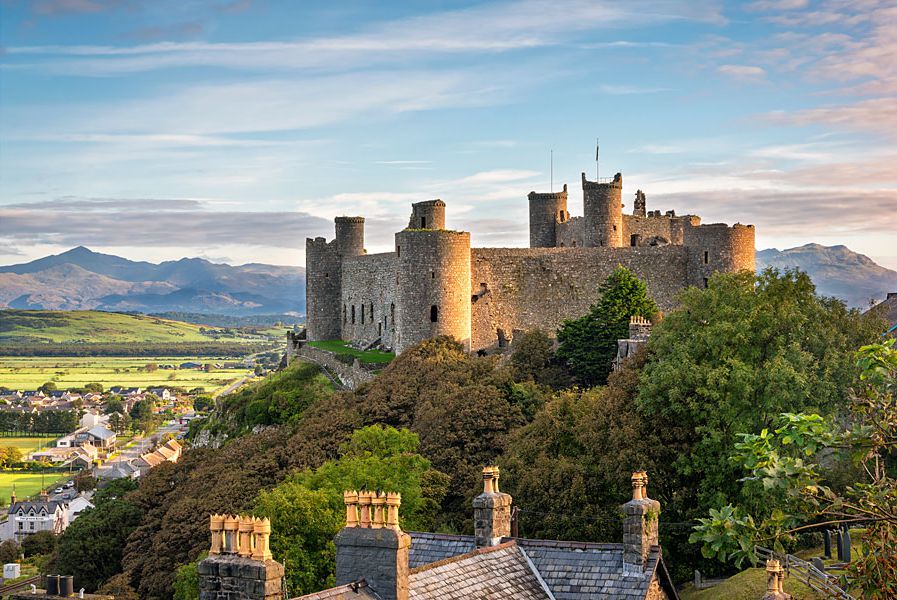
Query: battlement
x=429, y=214
x=548, y=195
x=603, y=182
x=349, y=219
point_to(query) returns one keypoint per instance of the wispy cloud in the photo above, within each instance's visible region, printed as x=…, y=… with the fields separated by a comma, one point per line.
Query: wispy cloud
x=876, y=115
x=626, y=90
x=743, y=72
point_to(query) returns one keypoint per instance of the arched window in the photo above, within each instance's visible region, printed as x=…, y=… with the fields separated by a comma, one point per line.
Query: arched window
x=434, y=313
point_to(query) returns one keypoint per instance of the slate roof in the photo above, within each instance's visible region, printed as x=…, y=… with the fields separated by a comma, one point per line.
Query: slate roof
x=351, y=591
x=101, y=432
x=428, y=548
x=49, y=507
x=501, y=571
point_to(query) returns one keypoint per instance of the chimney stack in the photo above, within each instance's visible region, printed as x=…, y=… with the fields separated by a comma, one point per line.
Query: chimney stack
x=491, y=511
x=639, y=526
x=775, y=576
x=240, y=566
x=372, y=546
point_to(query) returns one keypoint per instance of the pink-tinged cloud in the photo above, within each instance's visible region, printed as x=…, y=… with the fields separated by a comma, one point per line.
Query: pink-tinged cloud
x=876, y=115
x=742, y=72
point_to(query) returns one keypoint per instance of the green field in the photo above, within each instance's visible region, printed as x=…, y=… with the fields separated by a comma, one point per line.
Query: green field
x=28, y=373
x=27, y=484
x=28, y=444
x=341, y=347
x=88, y=326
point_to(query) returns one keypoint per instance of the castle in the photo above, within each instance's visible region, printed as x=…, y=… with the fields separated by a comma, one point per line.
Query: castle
x=434, y=283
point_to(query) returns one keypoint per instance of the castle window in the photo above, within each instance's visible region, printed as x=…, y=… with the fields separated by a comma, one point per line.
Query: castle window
x=432, y=274
x=502, y=338
x=326, y=274
x=353, y=314
x=706, y=257
x=434, y=313
x=562, y=244
x=379, y=329
x=344, y=314
x=633, y=239
x=574, y=243
x=372, y=312
x=706, y=282
x=392, y=314
x=423, y=222
x=362, y=313
x=398, y=252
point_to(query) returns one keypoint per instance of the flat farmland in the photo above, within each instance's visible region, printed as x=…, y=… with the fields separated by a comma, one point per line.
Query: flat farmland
x=28, y=373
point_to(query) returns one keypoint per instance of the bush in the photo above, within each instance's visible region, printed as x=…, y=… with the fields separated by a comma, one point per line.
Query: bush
x=10, y=551
x=40, y=542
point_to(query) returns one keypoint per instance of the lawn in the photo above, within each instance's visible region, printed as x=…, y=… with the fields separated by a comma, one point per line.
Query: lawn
x=29, y=373
x=28, y=484
x=28, y=444
x=341, y=347
x=750, y=584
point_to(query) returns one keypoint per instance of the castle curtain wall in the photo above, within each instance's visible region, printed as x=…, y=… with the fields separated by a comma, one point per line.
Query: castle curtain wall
x=369, y=280
x=530, y=288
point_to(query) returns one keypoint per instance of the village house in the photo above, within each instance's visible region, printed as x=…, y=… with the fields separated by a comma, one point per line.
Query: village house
x=28, y=517
x=99, y=436
x=377, y=560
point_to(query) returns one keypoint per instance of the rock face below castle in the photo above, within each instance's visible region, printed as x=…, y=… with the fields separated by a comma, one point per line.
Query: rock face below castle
x=434, y=283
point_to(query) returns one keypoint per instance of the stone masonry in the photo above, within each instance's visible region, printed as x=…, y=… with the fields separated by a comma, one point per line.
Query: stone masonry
x=434, y=283
x=240, y=565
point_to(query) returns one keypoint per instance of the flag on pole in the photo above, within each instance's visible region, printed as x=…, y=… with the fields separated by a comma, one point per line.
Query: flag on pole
x=596, y=149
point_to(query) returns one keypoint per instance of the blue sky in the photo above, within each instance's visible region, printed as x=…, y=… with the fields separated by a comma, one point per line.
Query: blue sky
x=234, y=129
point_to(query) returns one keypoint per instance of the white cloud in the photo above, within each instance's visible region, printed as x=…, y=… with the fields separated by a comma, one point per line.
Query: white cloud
x=743, y=72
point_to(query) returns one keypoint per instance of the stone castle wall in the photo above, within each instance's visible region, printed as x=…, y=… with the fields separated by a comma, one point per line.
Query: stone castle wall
x=369, y=292
x=323, y=283
x=537, y=288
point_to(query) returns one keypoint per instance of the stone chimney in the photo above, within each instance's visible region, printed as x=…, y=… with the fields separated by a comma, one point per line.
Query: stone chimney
x=639, y=328
x=372, y=546
x=12, y=497
x=491, y=511
x=639, y=526
x=44, y=496
x=775, y=576
x=240, y=566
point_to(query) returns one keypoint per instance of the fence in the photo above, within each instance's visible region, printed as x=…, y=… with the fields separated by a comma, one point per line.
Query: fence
x=806, y=573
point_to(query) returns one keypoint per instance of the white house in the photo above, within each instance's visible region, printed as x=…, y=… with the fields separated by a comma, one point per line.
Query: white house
x=28, y=517
x=76, y=506
x=93, y=418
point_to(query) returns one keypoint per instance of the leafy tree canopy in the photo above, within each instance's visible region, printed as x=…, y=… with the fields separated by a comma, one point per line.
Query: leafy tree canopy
x=588, y=344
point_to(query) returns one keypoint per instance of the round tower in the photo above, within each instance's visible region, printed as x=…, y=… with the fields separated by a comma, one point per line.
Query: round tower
x=323, y=276
x=349, y=236
x=545, y=212
x=433, y=295
x=603, y=212
x=427, y=215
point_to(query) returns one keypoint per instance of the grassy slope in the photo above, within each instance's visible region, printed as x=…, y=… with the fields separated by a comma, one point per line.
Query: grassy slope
x=341, y=347
x=93, y=326
x=747, y=585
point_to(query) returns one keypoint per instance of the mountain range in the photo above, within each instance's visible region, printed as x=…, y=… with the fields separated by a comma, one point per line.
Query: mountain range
x=81, y=279
x=837, y=271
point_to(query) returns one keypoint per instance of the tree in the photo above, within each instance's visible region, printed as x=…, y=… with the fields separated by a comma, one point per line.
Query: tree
x=113, y=405
x=533, y=359
x=150, y=367
x=791, y=469
x=10, y=455
x=49, y=386
x=39, y=543
x=203, y=403
x=85, y=481
x=91, y=547
x=734, y=357
x=186, y=580
x=119, y=422
x=307, y=509
x=588, y=344
x=94, y=387
x=10, y=551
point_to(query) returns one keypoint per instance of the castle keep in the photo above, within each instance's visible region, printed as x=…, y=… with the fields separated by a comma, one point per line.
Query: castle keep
x=434, y=283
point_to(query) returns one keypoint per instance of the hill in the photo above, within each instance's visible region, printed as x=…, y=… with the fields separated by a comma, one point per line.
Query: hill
x=81, y=279
x=836, y=271
x=21, y=326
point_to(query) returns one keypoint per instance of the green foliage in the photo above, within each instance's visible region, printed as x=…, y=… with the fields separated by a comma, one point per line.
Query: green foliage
x=186, y=580
x=114, y=490
x=91, y=547
x=39, y=543
x=307, y=509
x=203, y=403
x=734, y=357
x=343, y=350
x=533, y=359
x=84, y=481
x=9, y=551
x=47, y=421
x=588, y=344
x=10, y=455
x=94, y=387
x=48, y=387
x=791, y=464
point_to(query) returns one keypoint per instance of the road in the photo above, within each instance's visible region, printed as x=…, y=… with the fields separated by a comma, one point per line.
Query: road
x=141, y=446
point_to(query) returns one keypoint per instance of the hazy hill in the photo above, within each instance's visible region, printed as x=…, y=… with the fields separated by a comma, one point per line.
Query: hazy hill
x=83, y=279
x=836, y=271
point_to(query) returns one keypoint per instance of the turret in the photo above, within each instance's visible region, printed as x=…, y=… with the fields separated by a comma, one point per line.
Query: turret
x=350, y=236
x=427, y=215
x=603, y=211
x=433, y=286
x=718, y=247
x=545, y=212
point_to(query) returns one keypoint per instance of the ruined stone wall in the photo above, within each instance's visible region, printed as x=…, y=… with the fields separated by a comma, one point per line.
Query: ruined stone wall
x=546, y=212
x=670, y=228
x=570, y=233
x=433, y=296
x=322, y=289
x=427, y=215
x=350, y=375
x=718, y=247
x=529, y=288
x=369, y=292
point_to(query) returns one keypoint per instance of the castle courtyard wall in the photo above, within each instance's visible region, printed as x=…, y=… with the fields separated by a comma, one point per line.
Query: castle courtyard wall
x=538, y=288
x=369, y=280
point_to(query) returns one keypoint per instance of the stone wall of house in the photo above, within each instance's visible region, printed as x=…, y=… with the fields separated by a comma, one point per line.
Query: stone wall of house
x=351, y=375
x=530, y=288
x=367, y=304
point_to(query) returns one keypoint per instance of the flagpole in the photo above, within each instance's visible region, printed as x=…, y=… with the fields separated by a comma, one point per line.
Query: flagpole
x=597, y=164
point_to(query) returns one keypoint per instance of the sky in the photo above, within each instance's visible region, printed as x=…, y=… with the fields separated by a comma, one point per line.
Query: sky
x=234, y=129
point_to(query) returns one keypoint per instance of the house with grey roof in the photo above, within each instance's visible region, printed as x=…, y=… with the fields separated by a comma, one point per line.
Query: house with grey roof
x=30, y=516
x=101, y=437
x=376, y=560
